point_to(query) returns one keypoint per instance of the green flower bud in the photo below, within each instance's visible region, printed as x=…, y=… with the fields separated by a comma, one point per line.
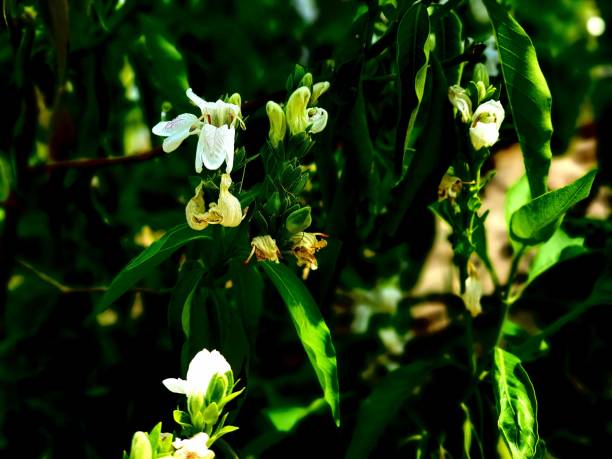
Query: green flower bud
x=318, y=90
x=482, y=91
x=307, y=80
x=141, y=447
x=299, y=220
x=273, y=204
x=481, y=74
x=217, y=388
x=211, y=414
x=278, y=124
x=195, y=404
x=297, y=116
x=235, y=99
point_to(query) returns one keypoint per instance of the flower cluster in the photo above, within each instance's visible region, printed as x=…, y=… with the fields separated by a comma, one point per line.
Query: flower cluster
x=209, y=387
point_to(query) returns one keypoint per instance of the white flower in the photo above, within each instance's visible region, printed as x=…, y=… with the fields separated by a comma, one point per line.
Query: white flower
x=193, y=448
x=472, y=295
x=393, y=341
x=215, y=128
x=487, y=119
x=201, y=370
x=461, y=101
x=317, y=119
x=384, y=298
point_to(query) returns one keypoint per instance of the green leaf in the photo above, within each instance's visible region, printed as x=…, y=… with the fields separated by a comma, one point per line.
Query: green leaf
x=379, y=409
x=537, y=220
x=140, y=266
x=286, y=418
x=528, y=94
x=449, y=44
x=413, y=48
x=311, y=329
x=517, y=196
x=559, y=247
x=516, y=405
x=188, y=280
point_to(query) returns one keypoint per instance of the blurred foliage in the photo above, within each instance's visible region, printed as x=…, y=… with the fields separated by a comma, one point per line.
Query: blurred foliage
x=87, y=80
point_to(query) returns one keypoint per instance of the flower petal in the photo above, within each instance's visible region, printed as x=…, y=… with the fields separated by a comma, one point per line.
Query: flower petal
x=172, y=142
x=214, y=145
x=181, y=123
x=317, y=120
x=178, y=386
x=484, y=135
x=197, y=100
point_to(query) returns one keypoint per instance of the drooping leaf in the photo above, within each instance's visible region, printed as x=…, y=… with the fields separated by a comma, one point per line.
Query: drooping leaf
x=379, y=409
x=413, y=48
x=516, y=405
x=153, y=255
x=311, y=329
x=537, y=220
x=528, y=94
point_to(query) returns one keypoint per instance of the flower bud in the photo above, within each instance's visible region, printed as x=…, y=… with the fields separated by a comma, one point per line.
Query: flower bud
x=472, y=295
x=278, y=125
x=141, y=447
x=299, y=220
x=318, y=90
x=273, y=204
x=461, y=101
x=482, y=90
x=306, y=80
x=217, y=389
x=481, y=74
x=297, y=116
x=235, y=99
x=211, y=414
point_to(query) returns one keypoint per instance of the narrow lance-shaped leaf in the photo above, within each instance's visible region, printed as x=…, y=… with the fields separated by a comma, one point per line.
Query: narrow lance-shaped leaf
x=413, y=48
x=311, y=329
x=149, y=258
x=537, y=220
x=528, y=95
x=516, y=405
x=379, y=409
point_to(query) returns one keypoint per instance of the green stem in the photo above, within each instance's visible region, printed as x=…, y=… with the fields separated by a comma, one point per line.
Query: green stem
x=505, y=303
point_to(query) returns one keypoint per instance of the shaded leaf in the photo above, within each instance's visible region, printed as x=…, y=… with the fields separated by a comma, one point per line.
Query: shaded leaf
x=140, y=266
x=413, y=48
x=311, y=329
x=379, y=409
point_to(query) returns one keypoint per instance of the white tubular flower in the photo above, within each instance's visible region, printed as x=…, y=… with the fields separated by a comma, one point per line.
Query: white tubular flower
x=461, y=101
x=217, y=135
x=484, y=130
x=472, y=295
x=177, y=130
x=202, y=368
x=317, y=119
x=193, y=448
x=197, y=217
x=227, y=211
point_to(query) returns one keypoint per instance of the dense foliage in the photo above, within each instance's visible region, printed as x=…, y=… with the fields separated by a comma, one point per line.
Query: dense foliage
x=347, y=137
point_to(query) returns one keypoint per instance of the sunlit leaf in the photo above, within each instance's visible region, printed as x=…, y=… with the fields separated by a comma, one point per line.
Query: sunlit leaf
x=537, y=220
x=516, y=405
x=311, y=329
x=528, y=94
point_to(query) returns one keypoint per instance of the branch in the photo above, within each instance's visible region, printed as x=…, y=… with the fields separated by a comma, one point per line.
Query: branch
x=71, y=289
x=94, y=163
